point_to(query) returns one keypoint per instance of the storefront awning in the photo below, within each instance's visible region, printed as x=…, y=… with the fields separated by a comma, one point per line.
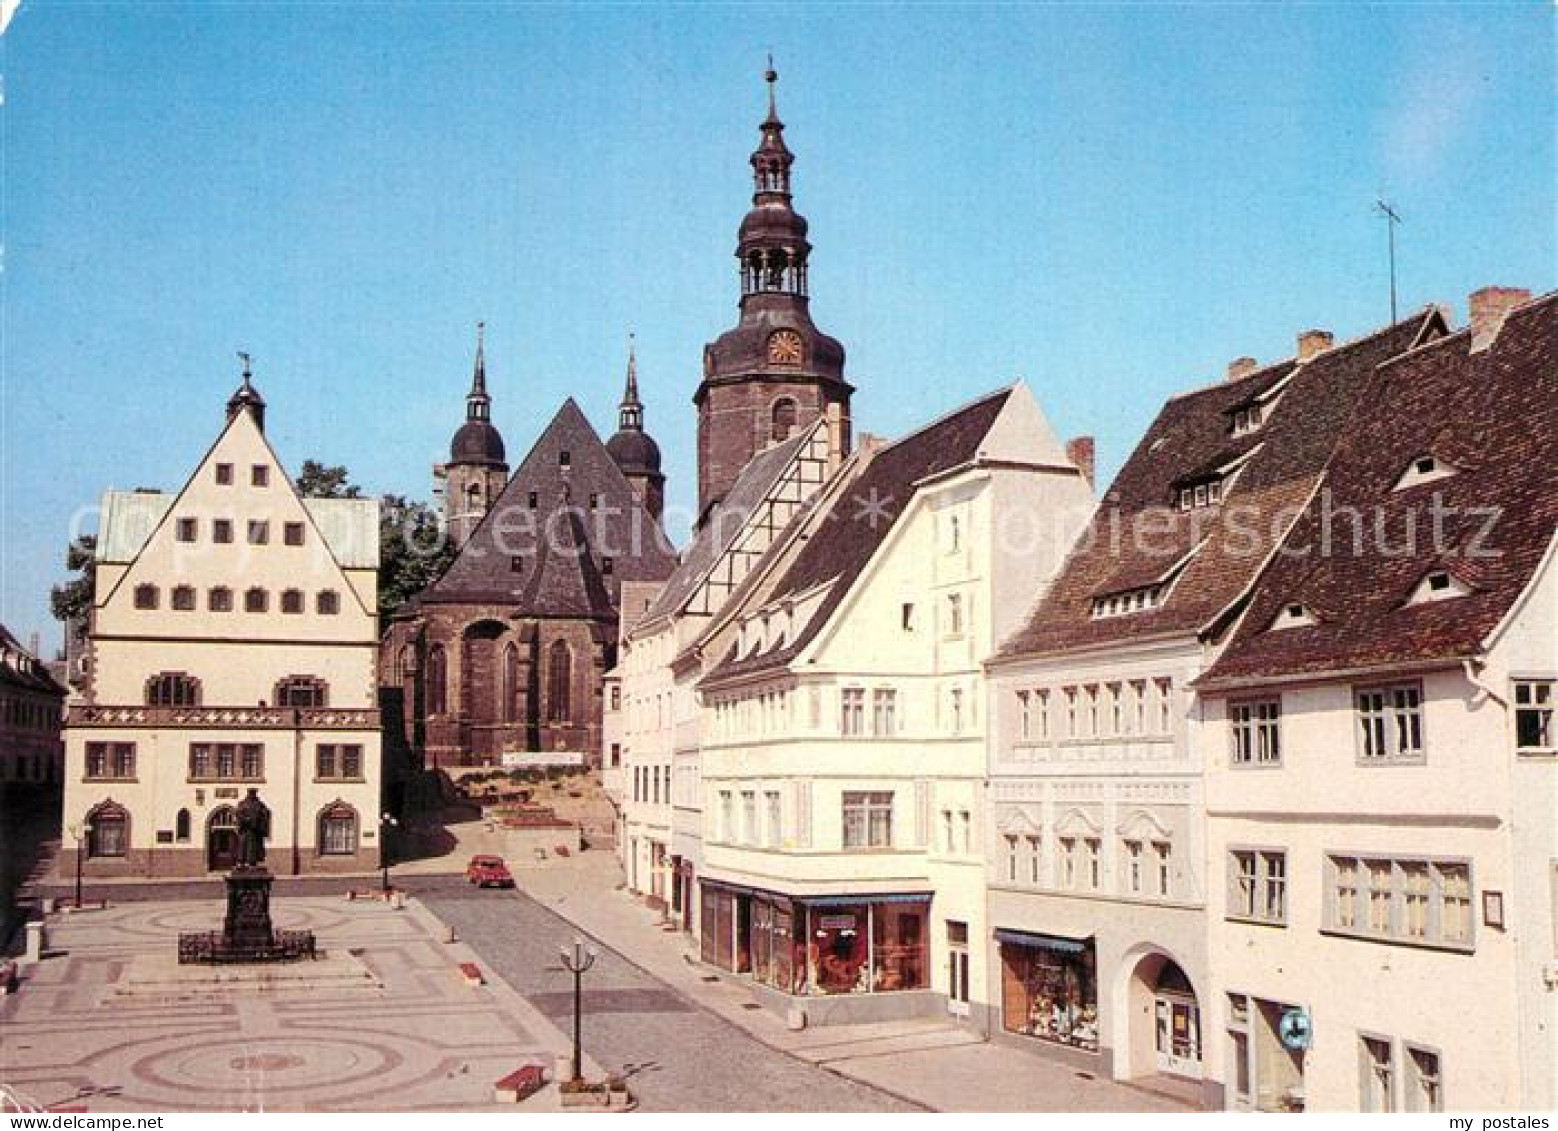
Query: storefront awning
x=1047, y=942
x=849, y=900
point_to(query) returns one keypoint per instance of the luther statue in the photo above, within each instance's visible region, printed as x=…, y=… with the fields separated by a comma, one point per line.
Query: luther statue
x=253, y=827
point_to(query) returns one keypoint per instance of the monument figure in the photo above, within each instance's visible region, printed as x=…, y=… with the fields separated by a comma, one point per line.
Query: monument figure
x=253, y=817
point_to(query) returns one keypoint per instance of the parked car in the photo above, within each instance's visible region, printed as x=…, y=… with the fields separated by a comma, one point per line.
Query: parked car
x=489, y=872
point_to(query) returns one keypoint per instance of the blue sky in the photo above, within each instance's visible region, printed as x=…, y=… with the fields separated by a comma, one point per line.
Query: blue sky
x=1108, y=201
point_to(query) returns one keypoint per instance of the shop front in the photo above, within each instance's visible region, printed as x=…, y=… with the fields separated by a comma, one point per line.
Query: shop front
x=1049, y=988
x=818, y=946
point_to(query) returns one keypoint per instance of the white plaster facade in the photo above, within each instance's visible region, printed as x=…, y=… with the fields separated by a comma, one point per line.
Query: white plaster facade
x=886, y=703
x=1456, y=994
x=232, y=645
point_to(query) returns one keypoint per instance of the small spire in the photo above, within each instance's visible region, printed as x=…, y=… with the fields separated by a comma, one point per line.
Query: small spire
x=247, y=367
x=631, y=414
x=247, y=396
x=479, y=380
x=771, y=77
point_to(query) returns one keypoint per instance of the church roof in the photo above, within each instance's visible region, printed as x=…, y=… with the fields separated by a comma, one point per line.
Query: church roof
x=567, y=530
x=21, y=669
x=1490, y=415
x=1170, y=569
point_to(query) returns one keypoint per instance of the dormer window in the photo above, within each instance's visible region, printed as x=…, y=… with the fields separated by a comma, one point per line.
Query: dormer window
x=1425, y=469
x=1293, y=615
x=1204, y=494
x=1438, y=585
x=1246, y=420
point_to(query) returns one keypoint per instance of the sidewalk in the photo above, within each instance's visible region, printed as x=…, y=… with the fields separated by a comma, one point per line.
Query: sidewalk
x=935, y=1064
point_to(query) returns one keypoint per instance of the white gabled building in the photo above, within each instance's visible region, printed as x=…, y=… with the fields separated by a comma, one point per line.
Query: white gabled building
x=1382, y=759
x=232, y=646
x=1095, y=818
x=844, y=736
x=655, y=710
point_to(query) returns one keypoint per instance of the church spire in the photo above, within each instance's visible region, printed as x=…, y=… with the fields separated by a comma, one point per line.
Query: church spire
x=478, y=405
x=630, y=415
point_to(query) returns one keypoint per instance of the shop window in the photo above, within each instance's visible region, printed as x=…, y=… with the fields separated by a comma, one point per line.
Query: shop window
x=898, y=946
x=837, y=949
x=1049, y=990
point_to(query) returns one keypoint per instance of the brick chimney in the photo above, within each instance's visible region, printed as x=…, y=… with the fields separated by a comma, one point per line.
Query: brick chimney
x=1487, y=310
x=1080, y=451
x=1242, y=367
x=1312, y=342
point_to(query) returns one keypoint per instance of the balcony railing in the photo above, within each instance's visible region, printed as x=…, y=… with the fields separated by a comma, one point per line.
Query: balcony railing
x=225, y=718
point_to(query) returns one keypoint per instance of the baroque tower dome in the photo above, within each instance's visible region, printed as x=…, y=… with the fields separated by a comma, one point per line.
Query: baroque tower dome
x=775, y=370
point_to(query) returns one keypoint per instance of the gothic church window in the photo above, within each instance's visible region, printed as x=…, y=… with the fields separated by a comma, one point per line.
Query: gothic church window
x=559, y=682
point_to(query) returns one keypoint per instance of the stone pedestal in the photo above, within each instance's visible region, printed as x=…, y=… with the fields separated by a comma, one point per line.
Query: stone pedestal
x=247, y=926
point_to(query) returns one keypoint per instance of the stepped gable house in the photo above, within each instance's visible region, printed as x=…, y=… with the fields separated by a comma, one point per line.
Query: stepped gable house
x=505, y=652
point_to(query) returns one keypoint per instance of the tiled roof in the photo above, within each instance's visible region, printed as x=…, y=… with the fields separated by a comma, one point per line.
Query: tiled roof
x=1137, y=535
x=721, y=526
x=1493, y=414
x=864, y=513
x=541, y=540
x=20, y=668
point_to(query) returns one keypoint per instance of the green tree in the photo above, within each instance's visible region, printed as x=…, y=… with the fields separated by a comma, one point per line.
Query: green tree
x=316, y=481
x=72, y=599
x=413, y=552
x=412, y=549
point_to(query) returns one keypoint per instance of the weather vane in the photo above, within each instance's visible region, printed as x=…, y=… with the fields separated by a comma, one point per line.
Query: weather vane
x=243, y=356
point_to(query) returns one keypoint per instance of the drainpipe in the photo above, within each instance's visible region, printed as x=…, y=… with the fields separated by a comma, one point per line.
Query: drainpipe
x=1469, y=668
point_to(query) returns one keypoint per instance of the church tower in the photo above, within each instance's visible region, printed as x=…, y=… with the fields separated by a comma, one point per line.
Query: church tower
x=476, y=471
x=633, y=449
x=775, y=371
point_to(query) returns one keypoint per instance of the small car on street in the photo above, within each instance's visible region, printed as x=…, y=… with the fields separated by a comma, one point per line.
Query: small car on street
x=489, y=872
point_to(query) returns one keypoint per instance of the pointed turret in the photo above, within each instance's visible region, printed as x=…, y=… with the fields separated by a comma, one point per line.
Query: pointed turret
x=634, y=450
x=477, y=467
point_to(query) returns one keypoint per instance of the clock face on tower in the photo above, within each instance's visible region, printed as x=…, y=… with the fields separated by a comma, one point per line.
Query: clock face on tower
x=784, y=348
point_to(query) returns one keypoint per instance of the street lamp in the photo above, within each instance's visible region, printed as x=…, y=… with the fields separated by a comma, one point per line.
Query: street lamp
x=79, y=834
x=386, y=822
x=577, y=960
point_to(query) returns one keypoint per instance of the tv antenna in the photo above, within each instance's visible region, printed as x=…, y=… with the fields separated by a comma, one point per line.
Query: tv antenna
x=1384, y=208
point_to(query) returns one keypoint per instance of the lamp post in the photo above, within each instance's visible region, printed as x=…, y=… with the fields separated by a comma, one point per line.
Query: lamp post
x=577, y=960
x=386, y=823
x=80, y=833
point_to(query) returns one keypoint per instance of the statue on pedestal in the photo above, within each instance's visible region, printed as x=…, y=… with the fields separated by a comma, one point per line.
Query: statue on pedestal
x=253, y=817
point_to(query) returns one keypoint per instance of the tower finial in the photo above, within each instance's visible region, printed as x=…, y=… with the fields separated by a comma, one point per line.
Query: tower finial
x=479, y=378
x=771, y=76
x=247, y=368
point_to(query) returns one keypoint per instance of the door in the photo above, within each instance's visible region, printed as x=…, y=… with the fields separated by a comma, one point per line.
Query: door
x=1178, y=1036
x=957, y=968
x=222, y=840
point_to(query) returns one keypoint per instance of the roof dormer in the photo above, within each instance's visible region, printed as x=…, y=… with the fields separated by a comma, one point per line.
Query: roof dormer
x=1293, y=614
x=1438, y=585
x=1425, y=469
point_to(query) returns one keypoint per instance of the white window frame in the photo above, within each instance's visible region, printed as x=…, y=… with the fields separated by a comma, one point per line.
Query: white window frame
x=866, y=820
x=1257, y=885
x=1412, y=1078
x=1541, y=695
x=1442, y=905
x=1255, y=733
x=1385, y=730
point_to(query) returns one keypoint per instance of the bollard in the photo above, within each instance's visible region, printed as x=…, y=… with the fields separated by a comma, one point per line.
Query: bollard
x=35, y=941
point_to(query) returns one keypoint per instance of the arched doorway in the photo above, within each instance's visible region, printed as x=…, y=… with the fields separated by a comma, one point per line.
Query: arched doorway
x=222, y=839
x=1164, y=1020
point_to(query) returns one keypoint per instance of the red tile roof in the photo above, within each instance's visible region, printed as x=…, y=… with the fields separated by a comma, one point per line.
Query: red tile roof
x=1493, y=414
x=1137, y=534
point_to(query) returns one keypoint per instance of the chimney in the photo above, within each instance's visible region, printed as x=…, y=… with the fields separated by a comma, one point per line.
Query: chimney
x=33, y=645
x=1488, y=308
x=1080, y=451
x=1242, y=367
x=1312, y=342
